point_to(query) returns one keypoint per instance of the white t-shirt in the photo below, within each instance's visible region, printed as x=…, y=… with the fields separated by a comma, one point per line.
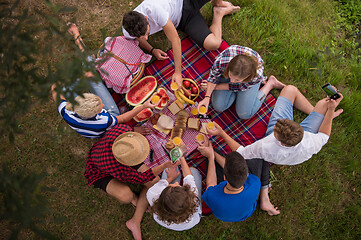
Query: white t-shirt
x=154, y=193
x=158, y=13
x=271, y=150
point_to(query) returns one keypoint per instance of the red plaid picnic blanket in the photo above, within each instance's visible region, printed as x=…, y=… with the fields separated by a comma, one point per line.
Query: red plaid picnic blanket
x=196, y=65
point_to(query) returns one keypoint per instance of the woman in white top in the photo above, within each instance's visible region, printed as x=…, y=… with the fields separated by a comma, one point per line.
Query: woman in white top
x=174, y=206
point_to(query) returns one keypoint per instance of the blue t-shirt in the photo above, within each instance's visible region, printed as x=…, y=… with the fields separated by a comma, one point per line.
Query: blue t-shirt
x=233, y=207
x=91, y=128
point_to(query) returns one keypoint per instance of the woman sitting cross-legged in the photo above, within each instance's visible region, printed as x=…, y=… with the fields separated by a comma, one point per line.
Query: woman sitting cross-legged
x=174, y=206
x=236, y=76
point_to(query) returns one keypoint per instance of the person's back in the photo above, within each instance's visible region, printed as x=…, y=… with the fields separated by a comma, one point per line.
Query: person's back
x=233, y=207
x=235, y=199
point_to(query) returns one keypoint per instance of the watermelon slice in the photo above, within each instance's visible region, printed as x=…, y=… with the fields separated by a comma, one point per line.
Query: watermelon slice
x=144, y=115
x=140, y=91
x=164, y=98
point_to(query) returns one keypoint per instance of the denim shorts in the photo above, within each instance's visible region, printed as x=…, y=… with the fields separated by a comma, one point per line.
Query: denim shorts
x=284, y=109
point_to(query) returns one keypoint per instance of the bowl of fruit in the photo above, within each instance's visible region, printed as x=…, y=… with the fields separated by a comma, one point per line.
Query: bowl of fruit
x=190, y=88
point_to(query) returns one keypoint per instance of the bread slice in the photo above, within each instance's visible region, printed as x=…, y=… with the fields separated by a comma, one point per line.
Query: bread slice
x=165, y=122
x=174, y=108
x=204, y=128
x=193, y=123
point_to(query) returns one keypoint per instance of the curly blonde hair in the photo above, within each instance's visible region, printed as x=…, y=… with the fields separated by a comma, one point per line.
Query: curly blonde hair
x=242, y=66
x=176, y=204
x=87, y=106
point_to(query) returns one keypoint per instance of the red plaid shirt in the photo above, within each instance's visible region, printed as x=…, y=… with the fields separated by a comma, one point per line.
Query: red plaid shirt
x=225, y=57
x=101, y=162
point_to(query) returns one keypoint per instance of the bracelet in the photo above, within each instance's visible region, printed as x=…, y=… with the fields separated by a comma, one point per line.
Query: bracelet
x=207, y=96
x=78, y=37
x=151, y=51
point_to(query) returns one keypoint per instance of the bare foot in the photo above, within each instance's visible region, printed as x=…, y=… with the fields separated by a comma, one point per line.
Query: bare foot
x=270, y=208
x=337, y=113
x=275, y=83
x=73, y=30
x=230, y=9
x=142, y=130
x=135, y=229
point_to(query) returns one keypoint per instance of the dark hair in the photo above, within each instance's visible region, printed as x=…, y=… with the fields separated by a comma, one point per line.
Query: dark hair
x=242, y=66
x=288, y=132
x=235, y=169
x=135, y=24
x=175, y=204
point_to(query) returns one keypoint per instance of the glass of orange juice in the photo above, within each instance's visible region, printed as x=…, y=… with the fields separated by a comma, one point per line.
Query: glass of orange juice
x=174, y=86
x=155, y=99
x=200, y=138
x=177, y=141
x=211, y=126
x=194, y=111
x=202, y=110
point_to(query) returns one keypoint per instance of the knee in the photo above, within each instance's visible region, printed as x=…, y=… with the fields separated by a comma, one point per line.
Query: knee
x=219, y=106
x=290, y=88
x=245, y=115
x=212, y=44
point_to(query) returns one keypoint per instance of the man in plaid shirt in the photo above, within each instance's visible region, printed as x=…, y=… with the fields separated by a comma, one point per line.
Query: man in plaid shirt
x=104, y=171
x=236, y=76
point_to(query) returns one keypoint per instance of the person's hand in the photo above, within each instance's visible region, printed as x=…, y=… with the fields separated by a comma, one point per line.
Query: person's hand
x=172, y=173
x=159, y=54
x=204, y=102
x=217, y=131
x=149, y=104
x=206, y=150
x=204, y=85
x=332, y=104
x=177, y=77
x=170, y=164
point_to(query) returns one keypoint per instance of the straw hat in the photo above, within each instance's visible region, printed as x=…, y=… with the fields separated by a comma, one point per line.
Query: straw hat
x=130, y=148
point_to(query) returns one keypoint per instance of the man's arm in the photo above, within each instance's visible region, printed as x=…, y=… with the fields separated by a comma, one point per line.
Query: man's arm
x=220, y=132
x=172, y=35
x=158, y=53
x=185, y=168
x=326, y=125
x=206, y=150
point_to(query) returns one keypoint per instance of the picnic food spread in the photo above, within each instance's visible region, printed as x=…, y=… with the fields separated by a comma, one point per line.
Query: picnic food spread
x=141, y=91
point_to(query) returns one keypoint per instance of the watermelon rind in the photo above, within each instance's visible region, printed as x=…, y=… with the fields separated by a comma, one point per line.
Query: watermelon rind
x=141, y=88
x=146, y=111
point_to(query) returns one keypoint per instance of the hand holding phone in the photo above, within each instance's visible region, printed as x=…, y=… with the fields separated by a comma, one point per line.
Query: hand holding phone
x=330, y=91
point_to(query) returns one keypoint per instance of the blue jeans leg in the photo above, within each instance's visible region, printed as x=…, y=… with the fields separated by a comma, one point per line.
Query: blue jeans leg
x=101, y=91
x=248, y=102
x=222, y=99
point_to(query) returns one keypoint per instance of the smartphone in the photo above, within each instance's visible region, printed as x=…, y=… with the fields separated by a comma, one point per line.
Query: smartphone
x=330, y=91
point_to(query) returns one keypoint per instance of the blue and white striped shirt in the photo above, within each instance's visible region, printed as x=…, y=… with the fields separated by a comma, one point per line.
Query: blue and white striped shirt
x=91, y=128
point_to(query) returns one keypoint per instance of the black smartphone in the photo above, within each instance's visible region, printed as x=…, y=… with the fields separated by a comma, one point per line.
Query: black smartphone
x=330, y=91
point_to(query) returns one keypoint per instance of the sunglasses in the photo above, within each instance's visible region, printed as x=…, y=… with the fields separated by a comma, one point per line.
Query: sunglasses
x=204, y=116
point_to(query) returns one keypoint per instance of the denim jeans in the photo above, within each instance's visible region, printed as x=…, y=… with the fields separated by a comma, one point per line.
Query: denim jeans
x=247, y=102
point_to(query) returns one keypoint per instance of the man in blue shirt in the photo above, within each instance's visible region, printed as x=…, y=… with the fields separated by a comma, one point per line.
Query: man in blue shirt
x=235, y=197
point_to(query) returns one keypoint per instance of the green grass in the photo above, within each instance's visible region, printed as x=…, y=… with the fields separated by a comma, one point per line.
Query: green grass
x=319, y=199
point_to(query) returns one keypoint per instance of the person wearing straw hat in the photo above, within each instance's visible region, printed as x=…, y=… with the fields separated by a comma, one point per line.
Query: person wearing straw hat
x=118, y=158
